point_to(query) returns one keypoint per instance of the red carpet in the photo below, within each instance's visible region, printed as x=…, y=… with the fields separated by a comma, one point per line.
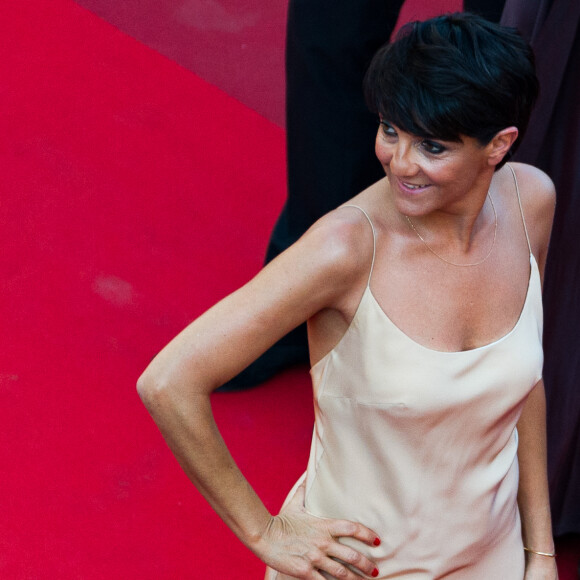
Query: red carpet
x=134, y=195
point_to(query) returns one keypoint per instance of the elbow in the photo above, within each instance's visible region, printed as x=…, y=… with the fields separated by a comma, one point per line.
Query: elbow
x=150, y=389
x=163, y=386
x=167, y=401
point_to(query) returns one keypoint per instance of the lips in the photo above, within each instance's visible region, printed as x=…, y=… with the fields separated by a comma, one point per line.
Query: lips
x=412, y=187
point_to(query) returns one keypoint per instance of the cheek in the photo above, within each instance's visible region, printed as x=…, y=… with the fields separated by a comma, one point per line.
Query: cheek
x=383, y=151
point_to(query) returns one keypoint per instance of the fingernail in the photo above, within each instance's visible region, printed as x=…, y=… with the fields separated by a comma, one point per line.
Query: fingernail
x=375, y=573
x=377, y=542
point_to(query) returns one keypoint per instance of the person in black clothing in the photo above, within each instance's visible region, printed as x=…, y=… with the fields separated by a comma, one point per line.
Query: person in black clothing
x=330, y=131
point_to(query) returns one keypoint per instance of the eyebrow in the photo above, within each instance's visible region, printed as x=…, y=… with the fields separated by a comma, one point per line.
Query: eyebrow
x=425, y=136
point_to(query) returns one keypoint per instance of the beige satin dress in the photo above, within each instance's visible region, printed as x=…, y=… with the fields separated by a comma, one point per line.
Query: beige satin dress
x=421, y=445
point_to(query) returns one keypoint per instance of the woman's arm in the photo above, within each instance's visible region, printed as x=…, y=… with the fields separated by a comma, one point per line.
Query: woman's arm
x=533, y=496
x=313, y=274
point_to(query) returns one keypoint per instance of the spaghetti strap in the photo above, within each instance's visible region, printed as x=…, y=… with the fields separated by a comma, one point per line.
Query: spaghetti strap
x=374, y=239
x=521, y=209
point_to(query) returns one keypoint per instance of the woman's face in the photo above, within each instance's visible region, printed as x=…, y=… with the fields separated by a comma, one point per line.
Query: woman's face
x=429, y=174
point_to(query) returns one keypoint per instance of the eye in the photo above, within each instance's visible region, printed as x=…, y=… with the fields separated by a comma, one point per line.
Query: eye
x=432, y=147
x=388, y=129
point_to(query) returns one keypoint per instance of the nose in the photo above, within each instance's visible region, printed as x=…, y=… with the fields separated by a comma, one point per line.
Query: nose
x=403, y=161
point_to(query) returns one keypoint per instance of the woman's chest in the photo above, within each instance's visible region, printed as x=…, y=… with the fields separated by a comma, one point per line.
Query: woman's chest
x=450, y=308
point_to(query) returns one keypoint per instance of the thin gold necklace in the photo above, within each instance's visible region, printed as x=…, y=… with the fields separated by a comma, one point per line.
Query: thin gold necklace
x=448, y=261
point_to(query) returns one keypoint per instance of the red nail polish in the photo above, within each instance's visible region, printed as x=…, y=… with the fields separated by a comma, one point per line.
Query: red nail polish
x=377, y=542
x=375, y=573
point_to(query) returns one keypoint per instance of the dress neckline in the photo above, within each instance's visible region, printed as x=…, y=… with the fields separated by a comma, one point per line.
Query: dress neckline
x=533, y=268
x=534, y=275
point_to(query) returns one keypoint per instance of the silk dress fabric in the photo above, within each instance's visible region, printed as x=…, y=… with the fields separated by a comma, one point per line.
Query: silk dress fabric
x=421, y=445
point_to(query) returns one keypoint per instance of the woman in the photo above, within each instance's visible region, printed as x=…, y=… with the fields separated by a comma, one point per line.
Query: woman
x=423, y=301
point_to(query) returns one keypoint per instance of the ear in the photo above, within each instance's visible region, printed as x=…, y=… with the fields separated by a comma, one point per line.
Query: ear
x=500, y=144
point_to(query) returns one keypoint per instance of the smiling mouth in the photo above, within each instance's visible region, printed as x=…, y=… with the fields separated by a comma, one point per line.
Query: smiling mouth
x=413, y=186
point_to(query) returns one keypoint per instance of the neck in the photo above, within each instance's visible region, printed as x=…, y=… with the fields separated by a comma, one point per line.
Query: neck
x=457, y=226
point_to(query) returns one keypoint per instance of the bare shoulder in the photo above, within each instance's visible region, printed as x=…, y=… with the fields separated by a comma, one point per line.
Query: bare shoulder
x=536, y=188
x=538, y=197
x=322, y=268
x=343, y=242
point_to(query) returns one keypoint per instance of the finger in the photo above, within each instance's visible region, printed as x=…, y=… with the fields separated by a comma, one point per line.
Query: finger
x=348, y=529
x=353, y=557
x=337, y=570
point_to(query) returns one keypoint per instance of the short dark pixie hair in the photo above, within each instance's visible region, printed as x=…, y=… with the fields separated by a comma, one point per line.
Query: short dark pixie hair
x=454, y=75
